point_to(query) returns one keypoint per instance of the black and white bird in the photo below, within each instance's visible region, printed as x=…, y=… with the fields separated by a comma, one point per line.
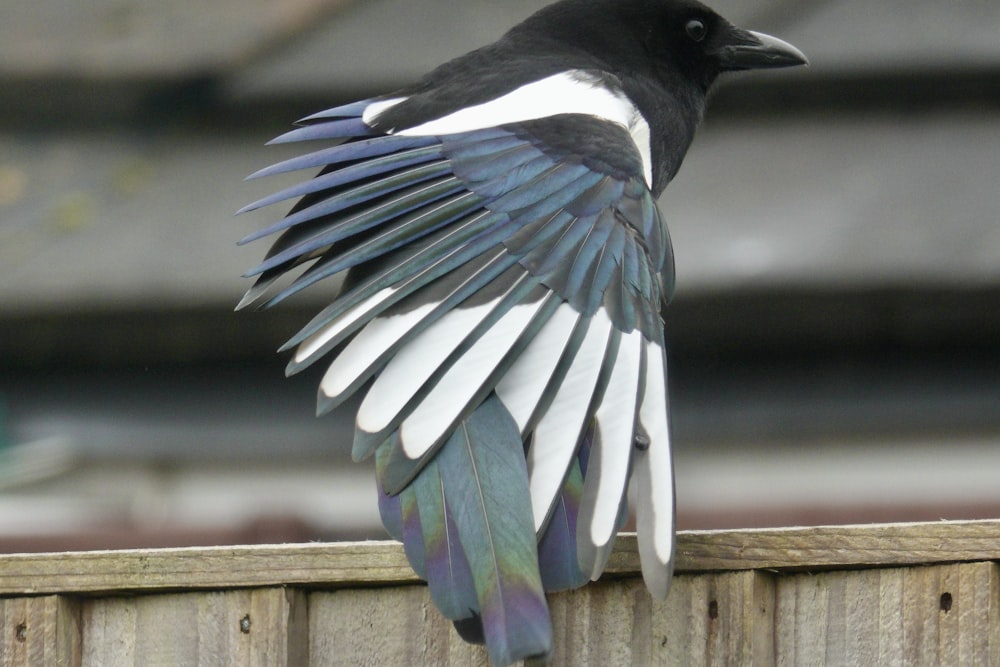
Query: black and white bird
x=503, y=265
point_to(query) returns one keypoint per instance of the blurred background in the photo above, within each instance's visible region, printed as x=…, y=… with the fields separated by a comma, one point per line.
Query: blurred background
x=834, y=341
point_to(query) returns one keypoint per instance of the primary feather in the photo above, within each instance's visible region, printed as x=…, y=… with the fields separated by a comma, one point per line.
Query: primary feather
x=503, y=265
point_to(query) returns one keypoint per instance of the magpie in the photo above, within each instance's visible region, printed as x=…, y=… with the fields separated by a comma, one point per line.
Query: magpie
x=500, y=261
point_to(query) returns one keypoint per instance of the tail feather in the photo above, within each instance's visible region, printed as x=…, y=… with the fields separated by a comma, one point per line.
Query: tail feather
x=404, y=517
x=413, y=533
x=557, y=547
x=485, y=482
x=448, y=575
x=390, y=510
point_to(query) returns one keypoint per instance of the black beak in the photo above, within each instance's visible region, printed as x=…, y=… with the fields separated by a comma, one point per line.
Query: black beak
x=746, y=49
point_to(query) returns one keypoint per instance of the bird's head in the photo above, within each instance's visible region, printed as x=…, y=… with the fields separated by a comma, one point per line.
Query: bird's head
x=710, y=44
x=680, y=35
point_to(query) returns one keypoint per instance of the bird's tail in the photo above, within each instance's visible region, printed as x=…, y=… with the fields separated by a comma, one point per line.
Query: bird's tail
x=473, y=537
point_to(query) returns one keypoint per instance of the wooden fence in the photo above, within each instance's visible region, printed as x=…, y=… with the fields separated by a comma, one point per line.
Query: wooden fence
x=895, y=594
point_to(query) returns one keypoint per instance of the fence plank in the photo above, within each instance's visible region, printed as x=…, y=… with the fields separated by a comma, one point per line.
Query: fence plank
x=192, y=568
x=718, y=619
x=384, y=626
x=943, y=615
x=607, y=623
x=39, y=631
x=355, y=604
x=956, y=614
x=352, y=563
x=246, y=627
x=882, y=545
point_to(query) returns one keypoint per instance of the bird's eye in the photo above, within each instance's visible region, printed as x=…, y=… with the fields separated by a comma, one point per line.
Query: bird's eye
x=696, y=30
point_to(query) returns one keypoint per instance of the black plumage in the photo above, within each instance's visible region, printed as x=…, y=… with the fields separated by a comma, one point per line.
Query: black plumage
x=503, y=265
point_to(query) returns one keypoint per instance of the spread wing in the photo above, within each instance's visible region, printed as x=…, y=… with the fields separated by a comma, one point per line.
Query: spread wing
x=501, y=290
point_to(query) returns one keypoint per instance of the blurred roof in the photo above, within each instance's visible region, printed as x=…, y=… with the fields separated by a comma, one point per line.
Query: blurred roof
x=837, y=232
x=139, y=210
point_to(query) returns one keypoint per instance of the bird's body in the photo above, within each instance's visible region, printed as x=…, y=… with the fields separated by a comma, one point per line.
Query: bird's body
x=504, y=266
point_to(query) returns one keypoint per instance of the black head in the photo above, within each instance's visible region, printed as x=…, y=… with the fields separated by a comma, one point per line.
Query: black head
x=683, y=36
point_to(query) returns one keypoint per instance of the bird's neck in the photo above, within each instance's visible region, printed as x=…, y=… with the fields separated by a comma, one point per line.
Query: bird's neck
x=673, y=107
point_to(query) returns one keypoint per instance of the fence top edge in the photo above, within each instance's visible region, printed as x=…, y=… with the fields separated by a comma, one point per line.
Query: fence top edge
x=342, y=564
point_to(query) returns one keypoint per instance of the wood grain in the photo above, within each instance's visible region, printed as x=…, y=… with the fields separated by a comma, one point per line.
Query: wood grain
x=39, y=631
x=259, y=627
x=861, y=595
x=359, y=563
x=384, y=626
x=204, y=568
x=940, y=615
x=607, y=623
x=840, y=546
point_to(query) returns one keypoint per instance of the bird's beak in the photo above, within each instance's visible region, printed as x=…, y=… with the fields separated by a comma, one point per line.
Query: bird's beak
x=746, y=49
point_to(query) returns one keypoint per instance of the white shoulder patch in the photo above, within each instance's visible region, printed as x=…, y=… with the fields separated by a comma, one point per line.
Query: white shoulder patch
x=639, y=129
x=375, y=108
x=573, y=91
